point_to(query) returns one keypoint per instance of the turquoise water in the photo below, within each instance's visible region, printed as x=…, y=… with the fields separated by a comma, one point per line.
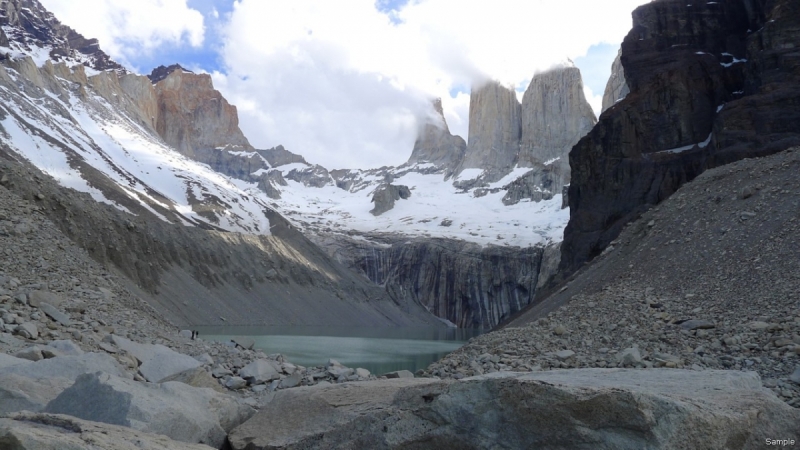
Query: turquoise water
x=378, y=350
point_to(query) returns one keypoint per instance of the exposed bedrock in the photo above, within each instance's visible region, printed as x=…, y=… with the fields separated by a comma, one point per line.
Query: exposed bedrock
x=555, y=116
x=461, y=282
x=706, y=90
x=386, y=195
x=617, y=87
x=435, y=144
x=588, y=408
x=494, y=130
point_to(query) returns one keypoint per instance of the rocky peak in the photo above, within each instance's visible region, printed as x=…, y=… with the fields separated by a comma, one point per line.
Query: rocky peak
x=194, y=116
x=161, y=72
x=30, y=29
x=494, y=130
x=555, y=116
x=435, y=144
x=617, y=87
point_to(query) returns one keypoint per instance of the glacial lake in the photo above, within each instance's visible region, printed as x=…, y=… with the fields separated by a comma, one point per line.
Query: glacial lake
x=378, y=350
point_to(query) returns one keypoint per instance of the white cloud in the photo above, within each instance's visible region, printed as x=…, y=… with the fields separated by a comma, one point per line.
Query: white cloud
x=343, y=85
x=127, y=29
x=595, y=101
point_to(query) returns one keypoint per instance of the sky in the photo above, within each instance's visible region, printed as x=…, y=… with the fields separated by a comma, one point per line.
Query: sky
x=348, y=83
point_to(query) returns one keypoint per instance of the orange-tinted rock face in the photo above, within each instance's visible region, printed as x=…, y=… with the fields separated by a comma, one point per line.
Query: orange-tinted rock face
x=193, y=116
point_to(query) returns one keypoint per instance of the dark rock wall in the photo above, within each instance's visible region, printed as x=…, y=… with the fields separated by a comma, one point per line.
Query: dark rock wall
x=464, y=283
x=720, y=74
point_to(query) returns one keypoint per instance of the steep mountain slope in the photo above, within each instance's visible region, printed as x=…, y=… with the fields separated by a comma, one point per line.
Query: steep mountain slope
x=710, y=83
x=203, y=248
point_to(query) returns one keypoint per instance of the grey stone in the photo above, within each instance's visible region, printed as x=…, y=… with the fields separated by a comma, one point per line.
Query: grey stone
x=55, y=314
x=363, y=373
x=31, y=353
x=36, y=431
x=185, y=334
x=173, y=409
x=564, y=355
x=157, y=361
x=400, y=374
x=245, y=342
x=197, y=377
x=795, y=376
x=586, y=408
x=8, y=361
x=220, y=372
x=697, y=324
x=27, y=330
x=260, y=371
x=235, y=383
x=205, y=358
x=291, y=381
x=36, y=298
x=630, y=357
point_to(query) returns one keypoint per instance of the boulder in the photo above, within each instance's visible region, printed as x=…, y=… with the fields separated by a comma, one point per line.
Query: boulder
x=36, y=298
x=585, y=408
x=260, y=371
x=55, y=314
x=29, y=431
x=65, y=348
x=630, y=357
x=157, y=361
x=8, y=360
x=173, y=409
x=245, y=342
x=197, y=377
x=400, y=374
x=27, y=330
x=31, y=385
x=31, y=353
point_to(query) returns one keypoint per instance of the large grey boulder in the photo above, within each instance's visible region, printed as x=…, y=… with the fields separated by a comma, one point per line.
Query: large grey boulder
x=157, y=361
x=30, y=386
x=8, y=360
x=28, y=431
x=587, y=408
x=173, y=409
x=260, y=371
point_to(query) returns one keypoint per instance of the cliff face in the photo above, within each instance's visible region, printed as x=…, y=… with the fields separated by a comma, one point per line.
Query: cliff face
x=193, y=116
x=466, y=284
x=555, y=115
x=711, y=83
x=494, y=129
x=617, y=87
x=435, y=144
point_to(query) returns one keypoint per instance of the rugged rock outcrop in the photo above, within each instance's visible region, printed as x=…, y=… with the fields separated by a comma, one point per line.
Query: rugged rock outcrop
x=32, y=25
x=494, y=130
x=590, y=408
x=617, y=87
x=711, y=83
x=385, y=196
x=435, y=144
x=193, y=115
